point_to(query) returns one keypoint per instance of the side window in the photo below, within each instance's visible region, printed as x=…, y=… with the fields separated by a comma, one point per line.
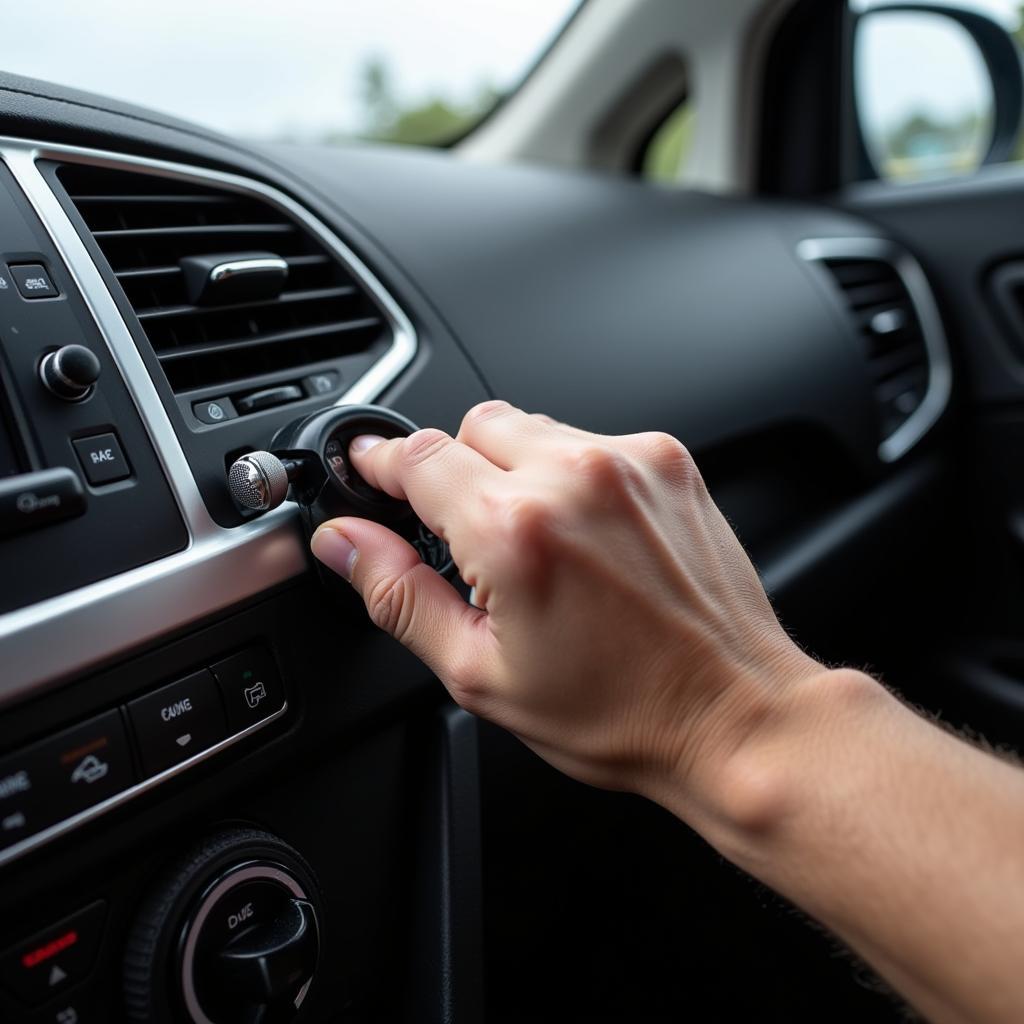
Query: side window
x=924, y=87
x=669, y=147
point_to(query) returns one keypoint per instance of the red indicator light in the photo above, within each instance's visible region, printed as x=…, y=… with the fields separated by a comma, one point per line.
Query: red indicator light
x=58, y=945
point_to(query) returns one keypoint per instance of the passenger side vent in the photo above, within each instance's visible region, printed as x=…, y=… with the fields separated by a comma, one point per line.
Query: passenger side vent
x=309, y=314
x=894, y=314
x=884, y=315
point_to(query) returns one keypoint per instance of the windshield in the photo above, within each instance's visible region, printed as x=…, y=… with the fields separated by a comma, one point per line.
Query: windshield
x=306, y=70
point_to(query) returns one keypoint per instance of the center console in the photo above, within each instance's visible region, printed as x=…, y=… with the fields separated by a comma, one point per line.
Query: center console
x=213, y=771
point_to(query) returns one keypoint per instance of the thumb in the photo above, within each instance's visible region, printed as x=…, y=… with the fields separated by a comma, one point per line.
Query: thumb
x=405, y=597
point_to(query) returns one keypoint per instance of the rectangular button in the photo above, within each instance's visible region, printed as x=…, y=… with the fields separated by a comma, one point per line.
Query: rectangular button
x=24, y=809
x=56, y=958
x=177, y=721
x=32, y=280
x=251, y=687
x=31, y=500
x=268, y=398
x=321, y=383
x=214, y=410
x=58, y=777
x=78, y=1007
x=102, y=459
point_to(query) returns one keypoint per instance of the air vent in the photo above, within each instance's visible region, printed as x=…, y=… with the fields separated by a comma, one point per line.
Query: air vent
x=889, y=303
x=158, y=232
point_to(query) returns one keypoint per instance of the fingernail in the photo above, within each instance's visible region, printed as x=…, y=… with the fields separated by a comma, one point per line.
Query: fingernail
x=364, y=442
x=335, y=550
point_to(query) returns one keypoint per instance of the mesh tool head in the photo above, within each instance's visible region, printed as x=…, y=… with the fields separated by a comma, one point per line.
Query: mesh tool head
x=258, y=481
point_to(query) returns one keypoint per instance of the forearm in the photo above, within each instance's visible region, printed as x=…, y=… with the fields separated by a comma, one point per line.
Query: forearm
x=903, y=840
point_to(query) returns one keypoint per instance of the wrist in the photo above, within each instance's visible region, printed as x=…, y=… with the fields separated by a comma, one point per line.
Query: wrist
x=744, y=788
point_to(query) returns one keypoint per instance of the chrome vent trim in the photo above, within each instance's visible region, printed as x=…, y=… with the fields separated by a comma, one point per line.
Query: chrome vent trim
x=940, y=371
x=70, y=633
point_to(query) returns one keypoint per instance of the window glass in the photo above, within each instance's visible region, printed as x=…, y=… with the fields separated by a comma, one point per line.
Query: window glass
x=308, y=70
x=667, y=152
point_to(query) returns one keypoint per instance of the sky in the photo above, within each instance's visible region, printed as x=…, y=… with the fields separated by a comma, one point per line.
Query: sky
x=261, y=69
x=267, y=70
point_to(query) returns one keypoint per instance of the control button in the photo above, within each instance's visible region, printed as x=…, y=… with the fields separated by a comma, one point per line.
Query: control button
x=251, y=687
x=58, y=777
x=85, y=764
x=214, y=410
x=32, y=280
x=321, y=383
x=269, y=397
x=102, y=459
x=54, y=959
x=73, y=1008
x=23, y=807
x=70, y=372
x=177, y=721
x=35, y=499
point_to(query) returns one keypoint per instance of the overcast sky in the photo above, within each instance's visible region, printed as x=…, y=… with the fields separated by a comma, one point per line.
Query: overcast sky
x=258, y=69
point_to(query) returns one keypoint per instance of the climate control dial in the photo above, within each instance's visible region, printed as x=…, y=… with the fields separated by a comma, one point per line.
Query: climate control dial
x=231, y=935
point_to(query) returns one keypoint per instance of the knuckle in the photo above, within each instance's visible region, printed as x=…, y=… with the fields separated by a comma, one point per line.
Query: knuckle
x=389, y=604
x=422, y=446
x=668, y=454
x=484, y=411
x=528, y=520
x=606, y=470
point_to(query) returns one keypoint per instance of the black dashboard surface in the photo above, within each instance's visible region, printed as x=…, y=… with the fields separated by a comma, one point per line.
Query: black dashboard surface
x=605, y=302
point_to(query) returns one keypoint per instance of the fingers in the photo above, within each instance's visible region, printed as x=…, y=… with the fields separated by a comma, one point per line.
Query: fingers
x=408, y=600
x=507, y=436
x=437, y=475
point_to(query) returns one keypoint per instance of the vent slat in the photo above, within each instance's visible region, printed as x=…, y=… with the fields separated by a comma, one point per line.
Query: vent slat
x=299, y=334
x=196, y=229
x=192, y=198
x=146, y=224
x=883, y=314
x=311, y=260
x=312, y=295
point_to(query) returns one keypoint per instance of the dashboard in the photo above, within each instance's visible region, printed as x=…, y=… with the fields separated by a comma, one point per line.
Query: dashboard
x=203, y=745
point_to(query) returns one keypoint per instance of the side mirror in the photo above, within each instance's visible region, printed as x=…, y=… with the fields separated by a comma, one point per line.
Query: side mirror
x=939, y=91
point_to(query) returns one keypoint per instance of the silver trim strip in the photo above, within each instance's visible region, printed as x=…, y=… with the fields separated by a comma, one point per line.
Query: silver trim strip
x=940, y=368
x=43, y=643
x=68, y=824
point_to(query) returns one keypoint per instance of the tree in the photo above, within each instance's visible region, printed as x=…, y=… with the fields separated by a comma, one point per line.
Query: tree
x=433, y=121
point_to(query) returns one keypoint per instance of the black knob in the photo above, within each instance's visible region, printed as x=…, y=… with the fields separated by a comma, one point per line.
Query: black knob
x=259, y=974
x=314, y=454
x=71, y=372
x=229, y=935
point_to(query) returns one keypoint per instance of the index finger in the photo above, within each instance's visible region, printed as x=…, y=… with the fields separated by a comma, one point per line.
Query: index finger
x=436, y=474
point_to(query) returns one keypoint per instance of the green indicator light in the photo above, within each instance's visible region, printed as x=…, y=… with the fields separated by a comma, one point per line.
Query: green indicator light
x=247, y=674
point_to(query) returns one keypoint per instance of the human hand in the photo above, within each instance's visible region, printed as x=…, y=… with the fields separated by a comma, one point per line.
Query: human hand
x=622, y=632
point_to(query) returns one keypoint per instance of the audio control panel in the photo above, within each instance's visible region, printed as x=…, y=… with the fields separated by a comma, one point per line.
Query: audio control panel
x=82, y=493
x=94, y=765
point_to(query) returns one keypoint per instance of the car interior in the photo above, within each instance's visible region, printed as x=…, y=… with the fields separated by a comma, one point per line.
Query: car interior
x=224, y=795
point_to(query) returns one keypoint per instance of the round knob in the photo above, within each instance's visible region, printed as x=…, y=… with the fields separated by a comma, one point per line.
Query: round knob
x=230, y=935
x=258, y=481
x=71, y=372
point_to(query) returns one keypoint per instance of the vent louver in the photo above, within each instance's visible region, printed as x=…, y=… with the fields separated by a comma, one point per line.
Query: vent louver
x=887, y=321
x=145, y=225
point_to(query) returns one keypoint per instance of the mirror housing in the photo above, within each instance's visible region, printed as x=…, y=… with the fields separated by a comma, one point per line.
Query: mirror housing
x=1002, y=61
